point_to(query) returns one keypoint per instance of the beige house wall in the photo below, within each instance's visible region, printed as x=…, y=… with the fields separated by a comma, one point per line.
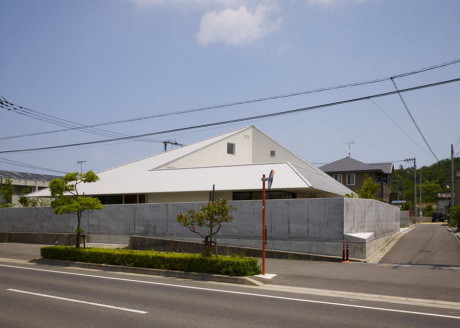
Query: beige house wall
x=263, y=145
x=216, y=154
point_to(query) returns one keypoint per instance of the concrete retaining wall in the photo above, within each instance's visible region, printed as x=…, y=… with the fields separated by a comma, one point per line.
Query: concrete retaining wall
x=405, y=219
x=169, y=245
x=300, y=225
x=67, y=239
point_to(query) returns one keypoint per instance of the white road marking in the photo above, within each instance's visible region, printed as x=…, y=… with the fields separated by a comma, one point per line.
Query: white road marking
x=267, y=275
x=238, y=293
x=76, y=301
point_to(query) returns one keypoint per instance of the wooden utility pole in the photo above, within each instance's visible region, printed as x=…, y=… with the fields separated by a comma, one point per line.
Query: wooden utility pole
x=452, y=176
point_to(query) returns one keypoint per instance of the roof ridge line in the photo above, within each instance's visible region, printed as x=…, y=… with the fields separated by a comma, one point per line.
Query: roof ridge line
x=159, y=154
x=217, y=166
x=216, y=137
x=292, y=166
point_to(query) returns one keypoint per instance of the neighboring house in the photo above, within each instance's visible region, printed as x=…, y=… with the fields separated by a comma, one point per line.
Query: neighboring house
x=443, y=202
x=233, y=163
x=352, y=174
x=26, y=182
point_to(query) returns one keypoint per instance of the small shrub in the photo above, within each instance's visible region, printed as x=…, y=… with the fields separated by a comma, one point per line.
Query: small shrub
x=455, y=216
x=226, y=265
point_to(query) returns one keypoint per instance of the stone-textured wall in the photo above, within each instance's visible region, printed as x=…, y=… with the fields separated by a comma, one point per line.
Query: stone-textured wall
x=299, y=225
x=367, y=215
x=312, y=219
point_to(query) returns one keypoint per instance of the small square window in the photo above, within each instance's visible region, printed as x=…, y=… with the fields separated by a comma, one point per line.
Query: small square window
x=351, y=179
x=272, y=153
x=230, y=148
x=338, y=177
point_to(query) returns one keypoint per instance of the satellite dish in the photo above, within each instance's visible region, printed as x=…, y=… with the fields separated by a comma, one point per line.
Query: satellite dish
x=270, y=179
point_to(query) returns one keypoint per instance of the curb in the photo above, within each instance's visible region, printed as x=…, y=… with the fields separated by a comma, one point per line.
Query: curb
x=154, y=272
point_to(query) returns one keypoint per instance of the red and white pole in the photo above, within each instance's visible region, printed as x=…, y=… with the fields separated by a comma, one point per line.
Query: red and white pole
x=264, y=225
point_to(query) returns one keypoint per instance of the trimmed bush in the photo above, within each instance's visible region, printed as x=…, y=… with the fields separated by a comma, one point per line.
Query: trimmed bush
x=226, y=265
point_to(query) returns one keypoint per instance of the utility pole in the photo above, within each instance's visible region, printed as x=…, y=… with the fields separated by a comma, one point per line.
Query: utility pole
x=264, y=220
x=452, y=176
x=415, y=183
x=81, y=165
x=420, y=178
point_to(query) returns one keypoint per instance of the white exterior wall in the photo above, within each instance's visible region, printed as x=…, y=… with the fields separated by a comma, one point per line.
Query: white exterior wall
x=216, y=154
x=262, y=145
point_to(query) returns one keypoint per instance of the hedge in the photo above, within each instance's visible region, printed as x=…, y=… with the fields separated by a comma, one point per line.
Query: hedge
x=225, y=265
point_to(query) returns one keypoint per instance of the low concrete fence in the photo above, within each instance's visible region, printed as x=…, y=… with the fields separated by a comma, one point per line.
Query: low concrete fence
x=66, y=239
x=316, y=226
x=179, y=246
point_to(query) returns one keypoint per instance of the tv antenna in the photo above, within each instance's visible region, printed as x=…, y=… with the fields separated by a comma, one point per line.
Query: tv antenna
x=171, y=142
x=349, y=147
x=81, y=165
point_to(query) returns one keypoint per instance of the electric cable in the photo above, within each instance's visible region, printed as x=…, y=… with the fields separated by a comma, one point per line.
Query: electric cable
x=249, y=101
x=413, y=120
x=292, y=111
x=30, y=166
x=389, y=117
x=59, y=121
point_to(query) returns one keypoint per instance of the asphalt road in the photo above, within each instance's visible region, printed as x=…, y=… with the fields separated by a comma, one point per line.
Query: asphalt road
x=426, y=244
x=425, y=282
x=45, y=296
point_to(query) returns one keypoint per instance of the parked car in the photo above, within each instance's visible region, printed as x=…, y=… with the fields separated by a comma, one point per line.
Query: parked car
x=437, y=217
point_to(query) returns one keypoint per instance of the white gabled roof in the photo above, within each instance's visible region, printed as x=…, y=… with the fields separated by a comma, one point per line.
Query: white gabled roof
x=235, y=177
x=322, y=181
x=145, y=176
x=155, y=161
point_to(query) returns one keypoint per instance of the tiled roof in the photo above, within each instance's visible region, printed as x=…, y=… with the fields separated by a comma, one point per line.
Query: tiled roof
x=349, y=164
x=385, y=167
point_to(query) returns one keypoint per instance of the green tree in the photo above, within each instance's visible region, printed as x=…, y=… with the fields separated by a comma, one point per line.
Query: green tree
x=407, y=206
x=368, y=189
x=6, y=193
x=430, y=191
x=455, y=216
x=207, y=222
x=428, y=210
x=68, y=200
x=25, y=201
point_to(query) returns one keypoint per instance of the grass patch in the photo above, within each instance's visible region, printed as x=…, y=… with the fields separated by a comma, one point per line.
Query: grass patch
x=225, y=265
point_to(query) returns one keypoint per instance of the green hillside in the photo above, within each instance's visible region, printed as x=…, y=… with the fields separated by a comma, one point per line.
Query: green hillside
x=435, y=178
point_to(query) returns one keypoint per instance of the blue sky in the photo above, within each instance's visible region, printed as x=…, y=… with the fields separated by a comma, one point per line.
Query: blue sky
x=99, y=61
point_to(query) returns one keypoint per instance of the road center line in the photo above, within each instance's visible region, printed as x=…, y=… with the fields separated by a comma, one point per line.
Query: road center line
x=76, y=301
x=238, y=293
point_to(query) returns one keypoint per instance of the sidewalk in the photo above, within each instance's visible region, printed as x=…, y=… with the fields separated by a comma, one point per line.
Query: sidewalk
x=428, y=282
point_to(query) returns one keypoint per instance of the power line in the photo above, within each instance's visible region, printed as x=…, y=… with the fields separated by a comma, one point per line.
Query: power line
x=292, y=111
x=30, y=166
x=249, y=101
x=52, y=119
x=389, y=117
x=458, y=142
x=413, y=120
x=70, y=125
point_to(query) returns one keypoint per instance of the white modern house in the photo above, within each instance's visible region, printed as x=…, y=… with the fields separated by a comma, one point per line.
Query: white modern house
x=306, y=212
x=233, y=163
